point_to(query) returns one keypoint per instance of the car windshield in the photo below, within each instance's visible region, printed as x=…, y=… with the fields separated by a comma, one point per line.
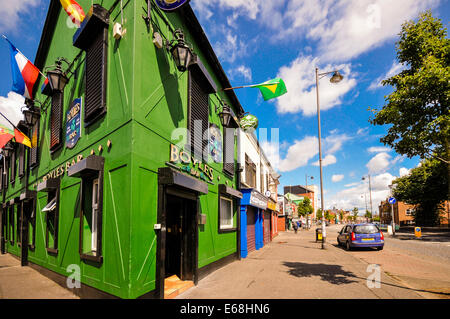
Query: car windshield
x=366, y=229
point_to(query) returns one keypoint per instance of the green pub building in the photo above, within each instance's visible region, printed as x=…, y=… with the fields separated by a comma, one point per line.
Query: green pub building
x=135, y=175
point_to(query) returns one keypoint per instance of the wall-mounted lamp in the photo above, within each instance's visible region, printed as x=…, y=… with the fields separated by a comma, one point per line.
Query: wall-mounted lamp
x=7, y=150
x=181, y=52
x=57, y=78
x=225, y=115
x=32, y=114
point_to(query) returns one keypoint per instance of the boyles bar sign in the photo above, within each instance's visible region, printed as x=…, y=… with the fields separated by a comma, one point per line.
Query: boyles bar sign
x=191, y=165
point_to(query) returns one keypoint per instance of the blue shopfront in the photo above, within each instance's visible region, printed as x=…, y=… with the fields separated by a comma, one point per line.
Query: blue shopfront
x=253, y=204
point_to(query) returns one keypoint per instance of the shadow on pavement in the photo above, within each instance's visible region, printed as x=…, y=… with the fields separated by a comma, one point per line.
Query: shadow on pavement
x=334, y=274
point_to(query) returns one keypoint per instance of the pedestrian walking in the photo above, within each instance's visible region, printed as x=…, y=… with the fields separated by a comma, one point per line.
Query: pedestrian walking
x=295, y=227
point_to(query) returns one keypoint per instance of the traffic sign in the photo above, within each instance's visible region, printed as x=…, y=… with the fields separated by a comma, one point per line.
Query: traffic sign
x=392, y=200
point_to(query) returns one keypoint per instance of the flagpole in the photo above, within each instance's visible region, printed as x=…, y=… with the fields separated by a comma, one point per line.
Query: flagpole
x=15, y=127
x=23, y=55
x=249, y=86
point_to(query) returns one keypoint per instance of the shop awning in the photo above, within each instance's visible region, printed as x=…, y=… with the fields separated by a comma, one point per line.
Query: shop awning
x=88, y=166
x=48, y=185
x=224, y=189
x=170, y=176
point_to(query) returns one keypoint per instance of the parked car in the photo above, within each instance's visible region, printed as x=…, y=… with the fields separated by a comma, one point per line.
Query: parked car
x=361, y=235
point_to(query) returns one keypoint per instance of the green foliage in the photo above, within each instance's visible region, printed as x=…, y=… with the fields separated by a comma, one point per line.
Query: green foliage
x=427, y=187
x=418, y=109
x=319, y=213
x=305, y=208
x=368, y=214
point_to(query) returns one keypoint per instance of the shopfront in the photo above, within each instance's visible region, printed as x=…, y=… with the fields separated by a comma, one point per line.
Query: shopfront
x=253, y=207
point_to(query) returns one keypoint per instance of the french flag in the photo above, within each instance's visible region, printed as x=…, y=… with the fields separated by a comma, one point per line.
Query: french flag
x=25, y=74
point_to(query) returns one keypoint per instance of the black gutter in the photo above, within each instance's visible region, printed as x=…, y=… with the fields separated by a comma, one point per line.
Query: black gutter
x=46, y=37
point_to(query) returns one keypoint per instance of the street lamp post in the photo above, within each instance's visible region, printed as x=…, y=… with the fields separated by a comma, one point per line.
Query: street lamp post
x=336, y=78
x=370, y=194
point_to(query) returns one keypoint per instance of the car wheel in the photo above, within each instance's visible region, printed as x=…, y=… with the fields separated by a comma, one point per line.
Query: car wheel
x=380, y=248
x=347, y=246
x=339, y=243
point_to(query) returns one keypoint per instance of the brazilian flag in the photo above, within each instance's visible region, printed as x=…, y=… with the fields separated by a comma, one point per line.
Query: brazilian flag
x=271, y=89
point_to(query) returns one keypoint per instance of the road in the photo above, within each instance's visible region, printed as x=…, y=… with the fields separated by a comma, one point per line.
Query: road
x=294, y=267
x=420, y=264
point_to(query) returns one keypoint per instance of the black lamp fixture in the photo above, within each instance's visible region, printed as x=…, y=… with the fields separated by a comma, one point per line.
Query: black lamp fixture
x=57, y=78
x=7, y=150
x=32, y=114
x=225, y=115
x=181, y=52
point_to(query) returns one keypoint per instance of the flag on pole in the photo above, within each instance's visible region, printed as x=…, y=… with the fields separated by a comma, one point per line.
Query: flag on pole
x=271, y=89
x=24, y=73
x=74, y=10
x=9, y=129
x=6, y=134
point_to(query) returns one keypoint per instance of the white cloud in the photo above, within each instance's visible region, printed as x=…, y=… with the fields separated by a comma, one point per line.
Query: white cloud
x=10, y=11
x=337, y=178
x=11, y=107
x=299, y=154
x=346, y=29
x=241, y=71
x=358, y=193
x=378, y=149
x=404, y=171
x=396, y=68
x=379, y=163
x=328, y=160
x=342, y=29
x=300, y=81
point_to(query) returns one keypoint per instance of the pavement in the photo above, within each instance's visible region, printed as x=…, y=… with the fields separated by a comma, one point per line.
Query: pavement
x=293, y=266
x=17, y=282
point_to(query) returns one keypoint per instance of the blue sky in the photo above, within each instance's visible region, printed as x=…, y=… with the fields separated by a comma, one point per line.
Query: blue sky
x=260, y=40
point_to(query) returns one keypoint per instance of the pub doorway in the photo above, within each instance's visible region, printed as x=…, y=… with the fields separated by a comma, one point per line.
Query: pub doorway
x=180, y=252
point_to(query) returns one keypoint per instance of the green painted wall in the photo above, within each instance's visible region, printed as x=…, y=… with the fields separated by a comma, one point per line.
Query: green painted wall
x=147, y=99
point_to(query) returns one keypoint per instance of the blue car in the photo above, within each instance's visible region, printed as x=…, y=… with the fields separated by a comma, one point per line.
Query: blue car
x=361, y=235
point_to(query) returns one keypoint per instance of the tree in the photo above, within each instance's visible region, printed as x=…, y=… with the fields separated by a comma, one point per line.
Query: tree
x=419, y=115
x=418, y=109
x=305, y=208
x=426, y=188
x=355, y=213
x=319, y=213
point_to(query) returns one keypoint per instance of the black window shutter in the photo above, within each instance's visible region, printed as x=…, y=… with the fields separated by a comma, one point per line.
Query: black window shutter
x=56, y=121
x=21, y=160
x=13, y=166
x=198, y=117
x=1, y=183
x=96, y=67
x=228, y=158
x=34, y=161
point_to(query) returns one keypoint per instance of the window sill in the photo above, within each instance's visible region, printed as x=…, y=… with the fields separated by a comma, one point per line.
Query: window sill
x=91, y=257
x=52, y=251
x=227, y=230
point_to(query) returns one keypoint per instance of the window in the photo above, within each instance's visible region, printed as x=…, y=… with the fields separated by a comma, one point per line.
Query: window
x=366, y=229
x=228, y=162
x=91, y=218
x=198, y=118
x=409, y=212
x=51, y=211
x=250, y=172
x=13, y=165
x=34, y=161
x=11, y=224
x=226, y=214
x=18, y=223
x=56, y=117
x=31, y=205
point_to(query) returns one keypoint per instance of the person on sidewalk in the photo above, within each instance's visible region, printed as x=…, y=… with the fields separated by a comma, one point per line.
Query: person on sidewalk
x=295, y=227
